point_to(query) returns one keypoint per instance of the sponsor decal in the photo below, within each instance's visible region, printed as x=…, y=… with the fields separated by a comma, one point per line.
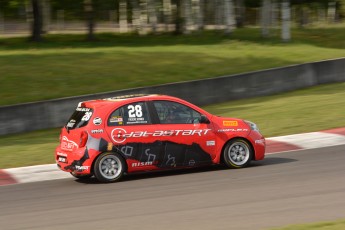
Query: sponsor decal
x=231, y=130
x=81, y=167
x=230, y=123
x=116, y=120
x=67, y=144
x=135, y=115
x=83, y=109
x=110, y=146
x=87, y=116
x=210, y=143
x=71, y=123
x=140, y=164
x=261, y=141
x=97, y=121
x=79, y=162
x=61, y=154
x=136, y=120
x=62, y=159
x=97, y=131
x=120, y=135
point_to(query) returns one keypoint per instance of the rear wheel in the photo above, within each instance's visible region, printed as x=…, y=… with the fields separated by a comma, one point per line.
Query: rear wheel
x=109, y=167
x=237, y=153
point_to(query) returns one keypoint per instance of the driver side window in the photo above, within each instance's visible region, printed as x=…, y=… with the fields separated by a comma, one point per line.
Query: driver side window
x=175, y=113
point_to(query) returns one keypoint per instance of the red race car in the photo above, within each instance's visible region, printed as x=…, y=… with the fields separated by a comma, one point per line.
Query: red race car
x=110, y=137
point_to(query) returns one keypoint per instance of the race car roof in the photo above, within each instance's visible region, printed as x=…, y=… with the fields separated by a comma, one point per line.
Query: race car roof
x=120, y=99
x=124, y=97
x=108, y=103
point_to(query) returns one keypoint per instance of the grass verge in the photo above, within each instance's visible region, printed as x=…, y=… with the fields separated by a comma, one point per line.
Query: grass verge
x=66, y=65
x=307, y=110
x=334, y=225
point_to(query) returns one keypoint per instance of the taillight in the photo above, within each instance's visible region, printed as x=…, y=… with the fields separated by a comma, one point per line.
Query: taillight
x=83, y=139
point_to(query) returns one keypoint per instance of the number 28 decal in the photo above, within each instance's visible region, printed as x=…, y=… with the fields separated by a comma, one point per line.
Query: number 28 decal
x=87, y=116
x=135, y=111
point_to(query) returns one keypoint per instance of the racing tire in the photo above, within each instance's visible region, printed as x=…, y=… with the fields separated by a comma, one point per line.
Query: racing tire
x=109, y=167
x=237, y=153
x=81, y=176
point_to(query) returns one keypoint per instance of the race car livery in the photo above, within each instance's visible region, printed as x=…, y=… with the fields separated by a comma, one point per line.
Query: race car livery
x=108, y=138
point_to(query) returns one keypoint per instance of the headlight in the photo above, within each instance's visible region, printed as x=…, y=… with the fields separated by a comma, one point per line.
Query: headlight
x=252, y=126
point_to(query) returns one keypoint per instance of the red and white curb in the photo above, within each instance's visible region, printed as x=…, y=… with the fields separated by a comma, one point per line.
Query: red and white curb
x=31, y=174
x=274, y=145
x=301, y=141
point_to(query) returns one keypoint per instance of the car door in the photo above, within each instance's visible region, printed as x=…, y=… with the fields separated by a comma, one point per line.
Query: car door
x=187, y=141
x=131, y=129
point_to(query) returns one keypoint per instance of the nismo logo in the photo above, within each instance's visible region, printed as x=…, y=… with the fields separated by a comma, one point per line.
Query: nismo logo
x=139, y=164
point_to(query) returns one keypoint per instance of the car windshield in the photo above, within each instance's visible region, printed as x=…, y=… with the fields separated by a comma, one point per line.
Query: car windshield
x=79, y=118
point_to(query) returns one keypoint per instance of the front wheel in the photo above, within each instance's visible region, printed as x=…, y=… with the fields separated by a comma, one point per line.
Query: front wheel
x=109, y=167
x=237, y=153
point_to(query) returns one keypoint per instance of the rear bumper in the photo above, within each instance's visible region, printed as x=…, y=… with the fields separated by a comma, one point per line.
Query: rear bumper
x=77, y=161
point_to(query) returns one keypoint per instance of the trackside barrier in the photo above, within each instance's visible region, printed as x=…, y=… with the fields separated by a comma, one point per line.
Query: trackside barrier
x=54, y=113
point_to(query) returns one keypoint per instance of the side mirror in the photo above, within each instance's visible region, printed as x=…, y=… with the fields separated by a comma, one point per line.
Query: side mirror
x=204, y=119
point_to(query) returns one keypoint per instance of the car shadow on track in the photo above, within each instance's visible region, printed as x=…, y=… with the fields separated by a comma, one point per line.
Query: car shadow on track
x=147, y=175
x=156, y=174
x=270, y=160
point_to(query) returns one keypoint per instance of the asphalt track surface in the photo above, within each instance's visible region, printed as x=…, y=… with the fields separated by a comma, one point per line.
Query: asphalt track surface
x=286, y=188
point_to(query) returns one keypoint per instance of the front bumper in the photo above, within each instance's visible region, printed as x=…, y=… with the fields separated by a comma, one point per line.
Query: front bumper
x=259, y=144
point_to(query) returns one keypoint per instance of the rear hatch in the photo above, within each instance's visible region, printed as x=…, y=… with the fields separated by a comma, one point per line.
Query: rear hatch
x=73, y=134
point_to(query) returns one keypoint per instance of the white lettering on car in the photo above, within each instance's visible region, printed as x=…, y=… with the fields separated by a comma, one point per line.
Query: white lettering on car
x=198, y=132
x=232, y=130
x=61, y=154
x=67, y=144
x=97, y=131
x=261, y=141
x=139, y=164
x=210, y=143
x=82, y=109
x=87, y=116
x=81, y=168
x=158, y=133
x=187, y=132
x=120, y=135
